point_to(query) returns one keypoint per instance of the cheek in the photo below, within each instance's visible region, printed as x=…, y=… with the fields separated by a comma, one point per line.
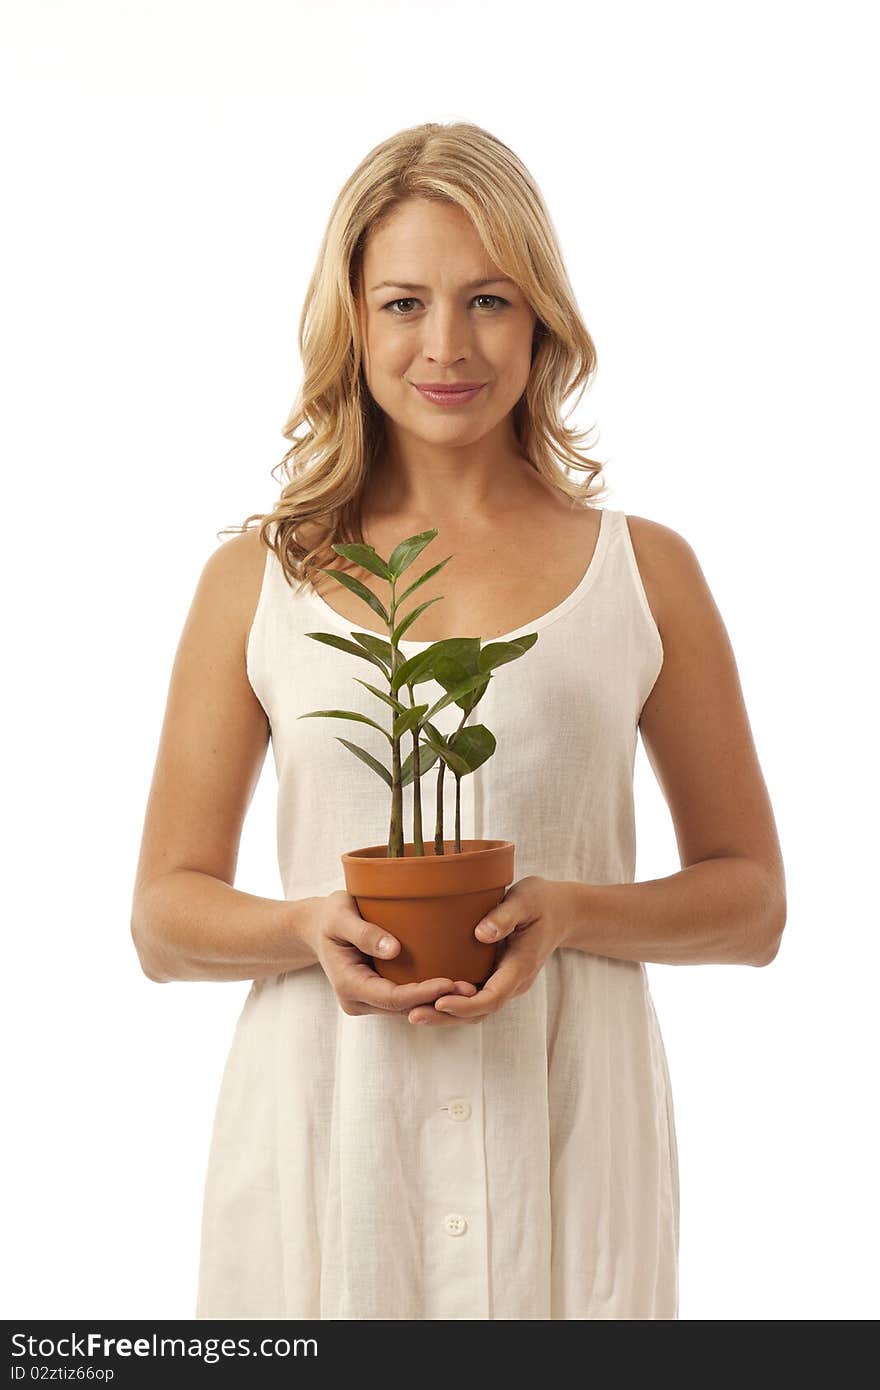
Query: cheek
x=513, y=349
x=513, y=369
x=391, y=354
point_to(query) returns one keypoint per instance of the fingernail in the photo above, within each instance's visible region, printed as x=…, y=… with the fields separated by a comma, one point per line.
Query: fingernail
x=385, y=943
x=488, y=930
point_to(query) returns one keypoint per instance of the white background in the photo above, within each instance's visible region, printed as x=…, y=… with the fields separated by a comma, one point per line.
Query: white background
x=168, y=171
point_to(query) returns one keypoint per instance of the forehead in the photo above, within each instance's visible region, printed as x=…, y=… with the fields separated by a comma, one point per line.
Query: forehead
x=423, y=242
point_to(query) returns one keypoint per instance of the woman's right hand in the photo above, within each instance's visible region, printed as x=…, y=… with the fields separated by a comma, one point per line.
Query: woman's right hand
x=342, y=943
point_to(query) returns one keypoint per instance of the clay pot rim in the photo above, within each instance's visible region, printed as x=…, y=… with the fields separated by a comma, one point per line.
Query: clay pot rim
x=371, y=876
x=378, y=854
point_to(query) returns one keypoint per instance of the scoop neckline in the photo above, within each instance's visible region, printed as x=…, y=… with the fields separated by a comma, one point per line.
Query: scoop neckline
x=347, y=625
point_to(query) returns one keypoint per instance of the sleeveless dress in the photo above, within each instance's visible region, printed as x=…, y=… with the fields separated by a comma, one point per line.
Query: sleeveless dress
x=523, y=1167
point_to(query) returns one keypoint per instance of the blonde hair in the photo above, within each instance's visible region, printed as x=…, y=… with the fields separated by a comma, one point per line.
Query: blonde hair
x=326, y=467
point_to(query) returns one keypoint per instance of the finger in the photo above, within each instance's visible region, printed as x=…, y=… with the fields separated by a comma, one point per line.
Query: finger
x=428, y=1014
x=438, y=1020
x=360, y=981
x=494, y=928
x=424, y=1011
x=372, y=988
x=387, y=994
x=354, y=978
x=351, y=929
x=500, y=986
x=427, y=1011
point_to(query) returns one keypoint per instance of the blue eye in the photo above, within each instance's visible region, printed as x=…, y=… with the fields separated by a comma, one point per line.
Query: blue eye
x=496, y=297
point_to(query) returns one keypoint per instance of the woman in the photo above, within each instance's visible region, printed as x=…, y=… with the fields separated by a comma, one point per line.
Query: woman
x=434, y=1151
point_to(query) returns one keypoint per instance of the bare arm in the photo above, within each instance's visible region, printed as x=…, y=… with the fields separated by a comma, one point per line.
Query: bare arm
x=189, y=925
x=187, y=921
x=727, y=905
x=718, y=912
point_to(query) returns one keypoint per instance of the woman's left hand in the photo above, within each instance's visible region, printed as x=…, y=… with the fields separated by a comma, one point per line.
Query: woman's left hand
x=531, y=921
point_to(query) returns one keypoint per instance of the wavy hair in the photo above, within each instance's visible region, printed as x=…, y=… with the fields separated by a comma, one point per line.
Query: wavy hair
x=336, y=428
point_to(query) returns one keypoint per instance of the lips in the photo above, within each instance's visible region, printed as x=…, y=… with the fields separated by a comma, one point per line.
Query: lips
x=448, y=385
x=449, y=395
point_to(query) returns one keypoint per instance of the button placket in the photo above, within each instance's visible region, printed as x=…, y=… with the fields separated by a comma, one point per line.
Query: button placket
x=455, y=1187
x=454, y=1155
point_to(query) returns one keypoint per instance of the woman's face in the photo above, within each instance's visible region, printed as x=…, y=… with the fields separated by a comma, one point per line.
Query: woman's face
x=445, y=315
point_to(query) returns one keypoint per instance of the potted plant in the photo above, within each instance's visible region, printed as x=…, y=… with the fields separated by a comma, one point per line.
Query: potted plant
x=430, y=898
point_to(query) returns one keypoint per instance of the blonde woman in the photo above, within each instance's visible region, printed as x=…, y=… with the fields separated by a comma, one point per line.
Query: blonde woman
x=434, y=1151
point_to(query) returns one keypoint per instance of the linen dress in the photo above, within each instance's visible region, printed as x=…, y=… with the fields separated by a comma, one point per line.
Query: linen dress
x=522, y=1167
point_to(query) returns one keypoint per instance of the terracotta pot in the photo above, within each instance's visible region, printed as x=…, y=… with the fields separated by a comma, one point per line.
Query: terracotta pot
x=431, y=904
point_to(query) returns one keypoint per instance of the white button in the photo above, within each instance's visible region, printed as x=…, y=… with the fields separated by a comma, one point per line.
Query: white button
x=456, y=1225
x=458, y=1109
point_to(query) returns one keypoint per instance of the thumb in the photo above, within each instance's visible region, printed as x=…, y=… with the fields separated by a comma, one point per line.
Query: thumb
x=496, y=924
x=372, y=940
x=385, y=945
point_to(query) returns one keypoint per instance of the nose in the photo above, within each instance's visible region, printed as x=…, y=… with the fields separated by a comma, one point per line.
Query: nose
x=446, y=334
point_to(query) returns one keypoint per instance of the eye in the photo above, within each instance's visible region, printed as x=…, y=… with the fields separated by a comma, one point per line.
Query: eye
x=398, y=301
x=391, y=305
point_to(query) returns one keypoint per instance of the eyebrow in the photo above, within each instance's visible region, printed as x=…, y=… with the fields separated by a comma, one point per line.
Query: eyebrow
x=476, y=284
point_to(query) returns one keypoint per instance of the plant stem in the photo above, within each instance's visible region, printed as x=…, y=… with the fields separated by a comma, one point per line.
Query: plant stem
x=438, y=823
x=395, y=834
x=395, y=830
x=418, y=842
x=461, y=724
x=438, y=827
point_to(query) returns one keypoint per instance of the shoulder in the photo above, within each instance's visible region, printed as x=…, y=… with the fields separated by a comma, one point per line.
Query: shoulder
x=658, y=544
x=669, y=568
x=232, y=577
x=240, y=556
x=235, y=567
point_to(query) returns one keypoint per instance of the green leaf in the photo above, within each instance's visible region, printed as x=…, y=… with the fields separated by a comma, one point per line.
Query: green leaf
x=403, y=555
x=411, y=617
x=349, y=582
x=454, y=696
x=377, y=647
x=427, y=759
x=463, y=649
x=497, y=653
x=414, y=670
x=343, y=644
x=365, y=556
x=408, y=720
x=474, y=744
x=396, y=705
x=442, y=747
x=369, y=760
x=429, y=574
x=344, y=714
x=451, y=674
x=448, y=672
x=433, y=737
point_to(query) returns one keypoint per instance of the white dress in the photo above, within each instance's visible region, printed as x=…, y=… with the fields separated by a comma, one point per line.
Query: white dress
x=524, y=1167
